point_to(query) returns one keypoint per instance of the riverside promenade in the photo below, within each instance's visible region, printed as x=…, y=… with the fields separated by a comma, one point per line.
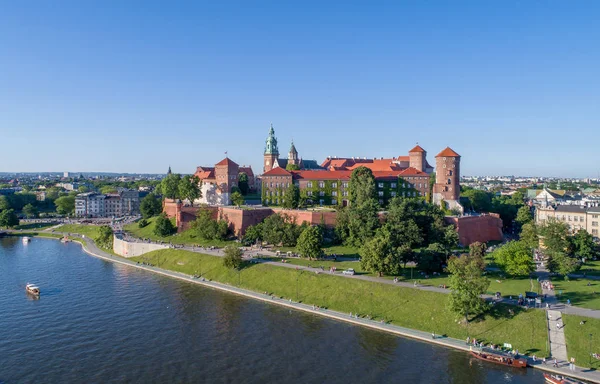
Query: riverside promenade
x=90, y=248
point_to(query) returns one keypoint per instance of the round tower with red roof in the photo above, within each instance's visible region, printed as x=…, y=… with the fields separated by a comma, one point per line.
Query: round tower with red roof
x=447, y=179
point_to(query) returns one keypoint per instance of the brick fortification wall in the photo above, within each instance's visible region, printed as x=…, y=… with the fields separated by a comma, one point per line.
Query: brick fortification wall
x=470, y=228
x=482, y=228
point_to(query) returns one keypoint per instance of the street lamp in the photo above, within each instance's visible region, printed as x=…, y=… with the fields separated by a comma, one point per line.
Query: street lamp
x=297, y=283
x=591, y=350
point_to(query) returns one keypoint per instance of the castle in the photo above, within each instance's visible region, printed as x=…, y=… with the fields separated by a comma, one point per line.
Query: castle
x=327, y=183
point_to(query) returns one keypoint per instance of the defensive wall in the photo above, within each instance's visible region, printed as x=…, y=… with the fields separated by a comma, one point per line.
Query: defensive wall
x=132, y=249
x=470, y=229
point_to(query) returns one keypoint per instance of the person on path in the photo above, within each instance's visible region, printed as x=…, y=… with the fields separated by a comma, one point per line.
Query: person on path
x=433, y=335
x=468, y=339
x=555, y=363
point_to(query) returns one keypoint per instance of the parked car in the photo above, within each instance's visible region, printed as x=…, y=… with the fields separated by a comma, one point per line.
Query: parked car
x=349, y=271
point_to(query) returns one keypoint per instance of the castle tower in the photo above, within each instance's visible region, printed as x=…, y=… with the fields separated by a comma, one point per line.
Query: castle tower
x=271, y=152
x=293, y=155
x=447, y=179
x=417, y=158
x=226, y=176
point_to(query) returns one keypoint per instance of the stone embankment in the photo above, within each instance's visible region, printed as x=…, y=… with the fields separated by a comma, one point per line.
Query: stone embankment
x=133, y=248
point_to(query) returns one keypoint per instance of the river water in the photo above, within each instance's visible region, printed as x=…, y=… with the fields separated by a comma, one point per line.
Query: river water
x=99, y=322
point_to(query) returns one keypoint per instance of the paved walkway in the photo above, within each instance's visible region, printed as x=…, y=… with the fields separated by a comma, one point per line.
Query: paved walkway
x=556, y=336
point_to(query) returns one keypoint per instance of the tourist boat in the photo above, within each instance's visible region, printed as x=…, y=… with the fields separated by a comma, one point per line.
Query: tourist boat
x=502, y=359
x=558, y=379
x=26, y=240
x=34, y=290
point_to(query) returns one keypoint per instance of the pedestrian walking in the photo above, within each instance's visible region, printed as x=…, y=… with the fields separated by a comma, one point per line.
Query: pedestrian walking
x=433, y=335
x=468, y=339
x=544, y=360
x=555, y=363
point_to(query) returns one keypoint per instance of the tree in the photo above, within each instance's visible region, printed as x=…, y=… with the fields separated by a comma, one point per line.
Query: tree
x=83, y=189
x=467, y=283
x=65, y=205
x=378, y=255
x=479, y=201
x=243, y=183
x=433, y=258
x=477, y=254
x=169, y=186
x=362, y=186
x=150, y=206
x=450, y=237
x=292, y=167
x=529, y=235
x=237, y=198
x=143, y=223
x=105, y=237
x=514, y=258
x=253, y=235
x=189, y=188
x=30, y=211
x=310, y=242
x=163, y=226
x=108, y=189
x=292, y=197
x=524, y=215
x=233, y=257
x=563, y=264
x=209, y=228
x=555, y=236
x=8, y=218
x=357, y=223
x=4, y=203
x=583, y=244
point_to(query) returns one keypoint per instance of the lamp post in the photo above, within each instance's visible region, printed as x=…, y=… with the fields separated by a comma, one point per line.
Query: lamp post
x=297, y=286
x=591, y=350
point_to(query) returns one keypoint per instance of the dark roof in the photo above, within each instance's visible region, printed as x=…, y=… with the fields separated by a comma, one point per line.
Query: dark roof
x=594, y=210
x=570, y=208
x=311, y=164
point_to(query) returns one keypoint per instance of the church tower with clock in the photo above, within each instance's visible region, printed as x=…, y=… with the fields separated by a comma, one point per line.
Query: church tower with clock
x=271, y=152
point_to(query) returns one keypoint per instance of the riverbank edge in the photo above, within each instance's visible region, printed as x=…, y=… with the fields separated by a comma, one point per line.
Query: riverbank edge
x=331, y=314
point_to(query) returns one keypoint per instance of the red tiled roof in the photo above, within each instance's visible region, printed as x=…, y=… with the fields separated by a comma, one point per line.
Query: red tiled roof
x=204, y=173
x=277, y=172
x=226, y=161
x=247, y=171
x=322, y=175
x=448, y=152
x=410, y=171
x=417, y=149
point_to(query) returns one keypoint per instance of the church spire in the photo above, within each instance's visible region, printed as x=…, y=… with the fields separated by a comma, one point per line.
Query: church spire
x=169, y=171
x=271, y=143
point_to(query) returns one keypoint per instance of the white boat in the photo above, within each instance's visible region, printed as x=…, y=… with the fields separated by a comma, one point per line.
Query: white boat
x=33, y=289
x=26, y=240
x=65, y=240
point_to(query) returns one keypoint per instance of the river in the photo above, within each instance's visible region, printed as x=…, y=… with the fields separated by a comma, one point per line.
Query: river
x=99, y=322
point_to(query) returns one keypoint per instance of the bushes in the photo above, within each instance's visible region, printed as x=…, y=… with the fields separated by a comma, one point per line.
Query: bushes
x=164, y=226
x=105, y=237
x=143, y=223
x=209, y=228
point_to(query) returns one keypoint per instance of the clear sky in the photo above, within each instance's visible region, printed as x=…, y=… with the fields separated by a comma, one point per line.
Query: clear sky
x=136, y=86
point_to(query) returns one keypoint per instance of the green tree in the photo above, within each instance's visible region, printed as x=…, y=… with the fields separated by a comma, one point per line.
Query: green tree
x=529, y=235
x=514, y=258
x=292, y=167
x=233, y=257
x=433, y=258
x=477, y=254
x=450, y=237
x=555, y=236
x=467, y=283
x=280, y=229
x=237, y=198
x=4, y=203
x=189, y=188
x=563, y=263
x=362, y=186
x=83, y=189
x=143, y=223
x=479, y=201
x=150, y=206
x=357, y=223
x=108, y=189
x=105, y=237
x=163, y=226
x=292, y=197
x=8, y=218
x=524, y=216
x=209, y=228
x=30, y=211
x=253, y=235
x=379, y=256
x=65, y=205
x=583, y=244
x=169, y=186
x=310, y=242
x=243, y=183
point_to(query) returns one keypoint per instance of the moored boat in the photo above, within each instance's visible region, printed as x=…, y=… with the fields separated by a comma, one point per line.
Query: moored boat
x=26, y=240
x=65, y=240
x=499, y=358
x=558, y=379
x=33, y=289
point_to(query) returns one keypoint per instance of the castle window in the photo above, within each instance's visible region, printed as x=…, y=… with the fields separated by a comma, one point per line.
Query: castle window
x=393, y=193
x=380, y=193
x=594, y=223
x=308, y=193
x=380, y=201
x=380, y=185
x=444, y=165
x=393, y=185
x=449, y=181
x=333, y=185
x=333, y=201
x=321, y=193
x=321, y=184
x=333, y=193
x=321, y=201
x=345, y=184
x=309, y=184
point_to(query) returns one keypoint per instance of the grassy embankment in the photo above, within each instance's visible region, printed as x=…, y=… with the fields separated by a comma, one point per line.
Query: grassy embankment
x=186, y=237
x=406, y=307
x=579, y=292
x=89, y=231
x=591, y=268
x=579, y=343
x=29, y=226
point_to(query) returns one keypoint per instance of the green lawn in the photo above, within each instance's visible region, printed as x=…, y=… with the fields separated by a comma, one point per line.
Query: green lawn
x=407, y=307
x=34, y=226
x=591, y=268
x=185, y=237
x=91, y=231
x=339, y=250
x=578, y=339
x=579, y=292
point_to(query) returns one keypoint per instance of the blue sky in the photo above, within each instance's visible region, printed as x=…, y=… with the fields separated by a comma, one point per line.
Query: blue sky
x=133, y=86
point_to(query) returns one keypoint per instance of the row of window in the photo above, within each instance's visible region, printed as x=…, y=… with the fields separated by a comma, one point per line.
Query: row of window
x=282, y=185
x=322, y=184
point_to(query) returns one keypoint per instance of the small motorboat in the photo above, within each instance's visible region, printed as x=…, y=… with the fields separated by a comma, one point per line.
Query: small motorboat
x=26, y=239
x=32, y=289
x=500, y=358
x=65, y=240
x=558, y=379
